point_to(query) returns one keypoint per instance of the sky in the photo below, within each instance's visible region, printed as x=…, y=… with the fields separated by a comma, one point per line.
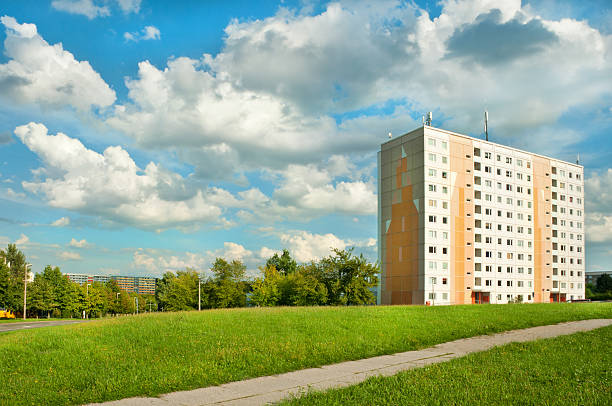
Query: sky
x=139, y=137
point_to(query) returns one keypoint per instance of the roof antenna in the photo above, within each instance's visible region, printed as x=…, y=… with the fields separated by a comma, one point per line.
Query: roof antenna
x=578, y=159
x=486, y=127
x=390, y=135
x=429, y=119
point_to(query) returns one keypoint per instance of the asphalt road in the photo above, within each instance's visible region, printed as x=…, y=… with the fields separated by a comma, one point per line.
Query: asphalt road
x=35, y=324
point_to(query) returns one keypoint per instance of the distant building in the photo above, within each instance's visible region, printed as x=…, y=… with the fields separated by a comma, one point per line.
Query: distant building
x=137, y=284
x=592, y=276
x=464, y=220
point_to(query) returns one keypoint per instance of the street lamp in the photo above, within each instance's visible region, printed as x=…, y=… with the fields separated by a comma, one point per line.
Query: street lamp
x=25, y=287
x=199, y=293
x=433, y=290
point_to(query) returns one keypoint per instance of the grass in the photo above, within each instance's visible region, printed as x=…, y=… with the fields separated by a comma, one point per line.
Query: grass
x=159, y=353
x=568, y=370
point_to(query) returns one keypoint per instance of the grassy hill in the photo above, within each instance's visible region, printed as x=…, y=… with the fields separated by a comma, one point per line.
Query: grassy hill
x=152, y=354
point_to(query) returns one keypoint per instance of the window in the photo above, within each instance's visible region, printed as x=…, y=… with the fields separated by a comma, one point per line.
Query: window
x=432, y=234
x=431, y=142
x=432, y=250
x=487, y=155
x=444, y=144
x=432, y=188
x=432, y=157
x=476, y=151
x=508, y=160
x=432, y=172
x=432, y=203
x=444, y=160
x=432, y=219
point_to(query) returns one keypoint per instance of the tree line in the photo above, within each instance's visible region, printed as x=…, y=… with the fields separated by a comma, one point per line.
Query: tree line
x=339, y=279
x=52, y=294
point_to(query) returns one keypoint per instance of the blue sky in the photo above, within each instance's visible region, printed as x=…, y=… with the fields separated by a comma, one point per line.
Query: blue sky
x=138, y=137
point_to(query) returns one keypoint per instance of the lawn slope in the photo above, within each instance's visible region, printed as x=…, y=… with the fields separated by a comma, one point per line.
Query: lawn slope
x=159, y=353
x=568, y=370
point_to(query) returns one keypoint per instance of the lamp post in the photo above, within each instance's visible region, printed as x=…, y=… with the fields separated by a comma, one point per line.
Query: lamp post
x=25, y=287
x=199, y=293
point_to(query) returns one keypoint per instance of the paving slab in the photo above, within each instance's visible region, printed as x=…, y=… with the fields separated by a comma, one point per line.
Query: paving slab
x=269, y=389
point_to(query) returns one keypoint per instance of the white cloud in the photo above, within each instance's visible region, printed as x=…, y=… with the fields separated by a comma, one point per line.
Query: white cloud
x=305, y=246
x=78, y=244
x=70, y=256
x=598, y=193
x=270, y=100
x=111, y=185
x=23, y=240
x=129, y=6
x=11, y=194
x=37, y=72
x=61, y=222
x=83, y=7
x=95, y=8
x=148, y=33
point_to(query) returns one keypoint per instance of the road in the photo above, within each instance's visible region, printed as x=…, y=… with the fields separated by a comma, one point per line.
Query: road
x=35, y=324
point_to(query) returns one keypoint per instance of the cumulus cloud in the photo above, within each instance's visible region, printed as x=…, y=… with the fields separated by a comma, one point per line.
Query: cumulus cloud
x=61, y=222
x=305, y=246
x=83, y=7
x=159, y=261
x=38, y=72
x=70, y=256
x=78, y=244
x=92, y=9
x=148, y=33
x=23, y=240
x=110, y=184
x=294, y=88
x=598, y=192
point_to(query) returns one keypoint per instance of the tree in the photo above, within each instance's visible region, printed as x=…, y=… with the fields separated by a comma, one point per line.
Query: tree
x=4, y=285
x=266, y=291
x=180, y=291
x=604, y=283
x=228, y=287
x=347, y=278
x=306, y=289
x=40, y=299
x=284, y=264
x=16, y=262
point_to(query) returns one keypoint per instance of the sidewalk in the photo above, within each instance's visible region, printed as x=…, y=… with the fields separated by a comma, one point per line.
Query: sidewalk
x=263, y=390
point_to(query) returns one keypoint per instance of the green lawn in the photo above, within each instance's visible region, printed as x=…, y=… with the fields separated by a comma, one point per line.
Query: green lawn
x=568, y=370
x=159, y=353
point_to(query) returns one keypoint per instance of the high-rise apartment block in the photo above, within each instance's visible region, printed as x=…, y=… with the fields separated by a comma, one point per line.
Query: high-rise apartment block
x=462, y=220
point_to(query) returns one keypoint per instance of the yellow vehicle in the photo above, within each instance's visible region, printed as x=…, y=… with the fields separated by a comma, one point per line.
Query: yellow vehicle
x=6, y=314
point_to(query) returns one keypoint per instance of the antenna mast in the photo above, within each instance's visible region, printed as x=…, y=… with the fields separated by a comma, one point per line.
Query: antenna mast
x=486, y=127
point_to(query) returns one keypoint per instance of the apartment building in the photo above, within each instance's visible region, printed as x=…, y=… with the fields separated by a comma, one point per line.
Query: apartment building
x=137, y=284
x=462, y=220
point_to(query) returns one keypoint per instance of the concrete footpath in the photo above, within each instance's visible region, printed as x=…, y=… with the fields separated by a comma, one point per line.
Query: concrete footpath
x=25, y=325
x=268, y=389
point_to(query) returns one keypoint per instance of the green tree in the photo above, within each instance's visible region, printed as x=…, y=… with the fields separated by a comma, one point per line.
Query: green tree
x=347, y=278
x=178, y=292
x=604, y=283
x=266, y=290
x=306, y=289
x=284, y=264
x=5, y=293
x=40, y=297
x=228, y=287
x=16, y=262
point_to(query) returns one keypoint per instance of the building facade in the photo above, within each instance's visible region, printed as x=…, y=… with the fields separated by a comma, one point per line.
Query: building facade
x=136, y=284
x=592, y=276
x=463, y=220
